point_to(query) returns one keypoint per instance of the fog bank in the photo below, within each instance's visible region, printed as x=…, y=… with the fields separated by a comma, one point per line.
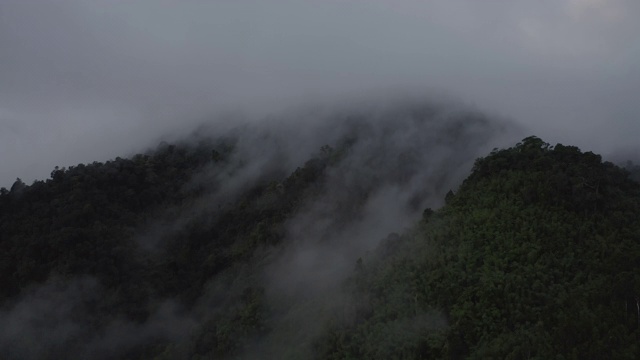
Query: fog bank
x=83, y=81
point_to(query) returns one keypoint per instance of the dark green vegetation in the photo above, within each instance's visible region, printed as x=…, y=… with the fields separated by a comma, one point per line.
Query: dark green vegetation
x=536, y=255
x=84, y=222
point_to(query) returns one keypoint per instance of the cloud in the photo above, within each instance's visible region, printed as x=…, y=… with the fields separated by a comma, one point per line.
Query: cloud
x=57, y=320
x=404, y=157
x=83, y=81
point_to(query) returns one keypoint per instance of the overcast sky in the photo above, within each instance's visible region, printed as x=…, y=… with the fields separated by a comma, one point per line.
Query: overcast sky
x=90, y=80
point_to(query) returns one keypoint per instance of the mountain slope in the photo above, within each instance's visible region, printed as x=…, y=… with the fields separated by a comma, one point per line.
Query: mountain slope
x=84, y=222
x=243, y=244
x=536, y=256
x=226, y=244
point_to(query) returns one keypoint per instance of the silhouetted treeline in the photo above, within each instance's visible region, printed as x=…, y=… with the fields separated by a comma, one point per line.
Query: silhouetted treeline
x=536, y=255
x=86, y=221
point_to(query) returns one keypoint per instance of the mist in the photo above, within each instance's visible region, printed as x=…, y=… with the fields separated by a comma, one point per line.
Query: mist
x=417, y=90
x=82, y=81
x=367, y=194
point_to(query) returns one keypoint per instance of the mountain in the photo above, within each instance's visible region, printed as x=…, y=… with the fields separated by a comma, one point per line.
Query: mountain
x=535, y=256
x=276, y=241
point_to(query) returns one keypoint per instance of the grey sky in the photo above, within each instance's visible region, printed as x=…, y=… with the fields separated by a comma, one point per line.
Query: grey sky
x=91, y=80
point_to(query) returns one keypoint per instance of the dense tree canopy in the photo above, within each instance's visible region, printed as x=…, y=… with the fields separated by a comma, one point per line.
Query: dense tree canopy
x=536, y=255
x=90, y=220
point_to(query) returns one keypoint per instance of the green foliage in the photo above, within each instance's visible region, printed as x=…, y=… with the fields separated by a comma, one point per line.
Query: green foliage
x=536, y=256
x=92, y=219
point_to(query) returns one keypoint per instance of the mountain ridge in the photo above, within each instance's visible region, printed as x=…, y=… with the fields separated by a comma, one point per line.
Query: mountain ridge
x=202, y=252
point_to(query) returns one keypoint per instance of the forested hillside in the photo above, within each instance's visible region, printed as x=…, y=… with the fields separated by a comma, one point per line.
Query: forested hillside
x=536, y=256
x=197, y=251
x=80, y=228
x=223, y=245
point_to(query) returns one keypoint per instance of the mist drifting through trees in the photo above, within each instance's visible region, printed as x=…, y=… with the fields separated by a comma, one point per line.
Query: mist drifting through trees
x=276, y=179
x=256, y=241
